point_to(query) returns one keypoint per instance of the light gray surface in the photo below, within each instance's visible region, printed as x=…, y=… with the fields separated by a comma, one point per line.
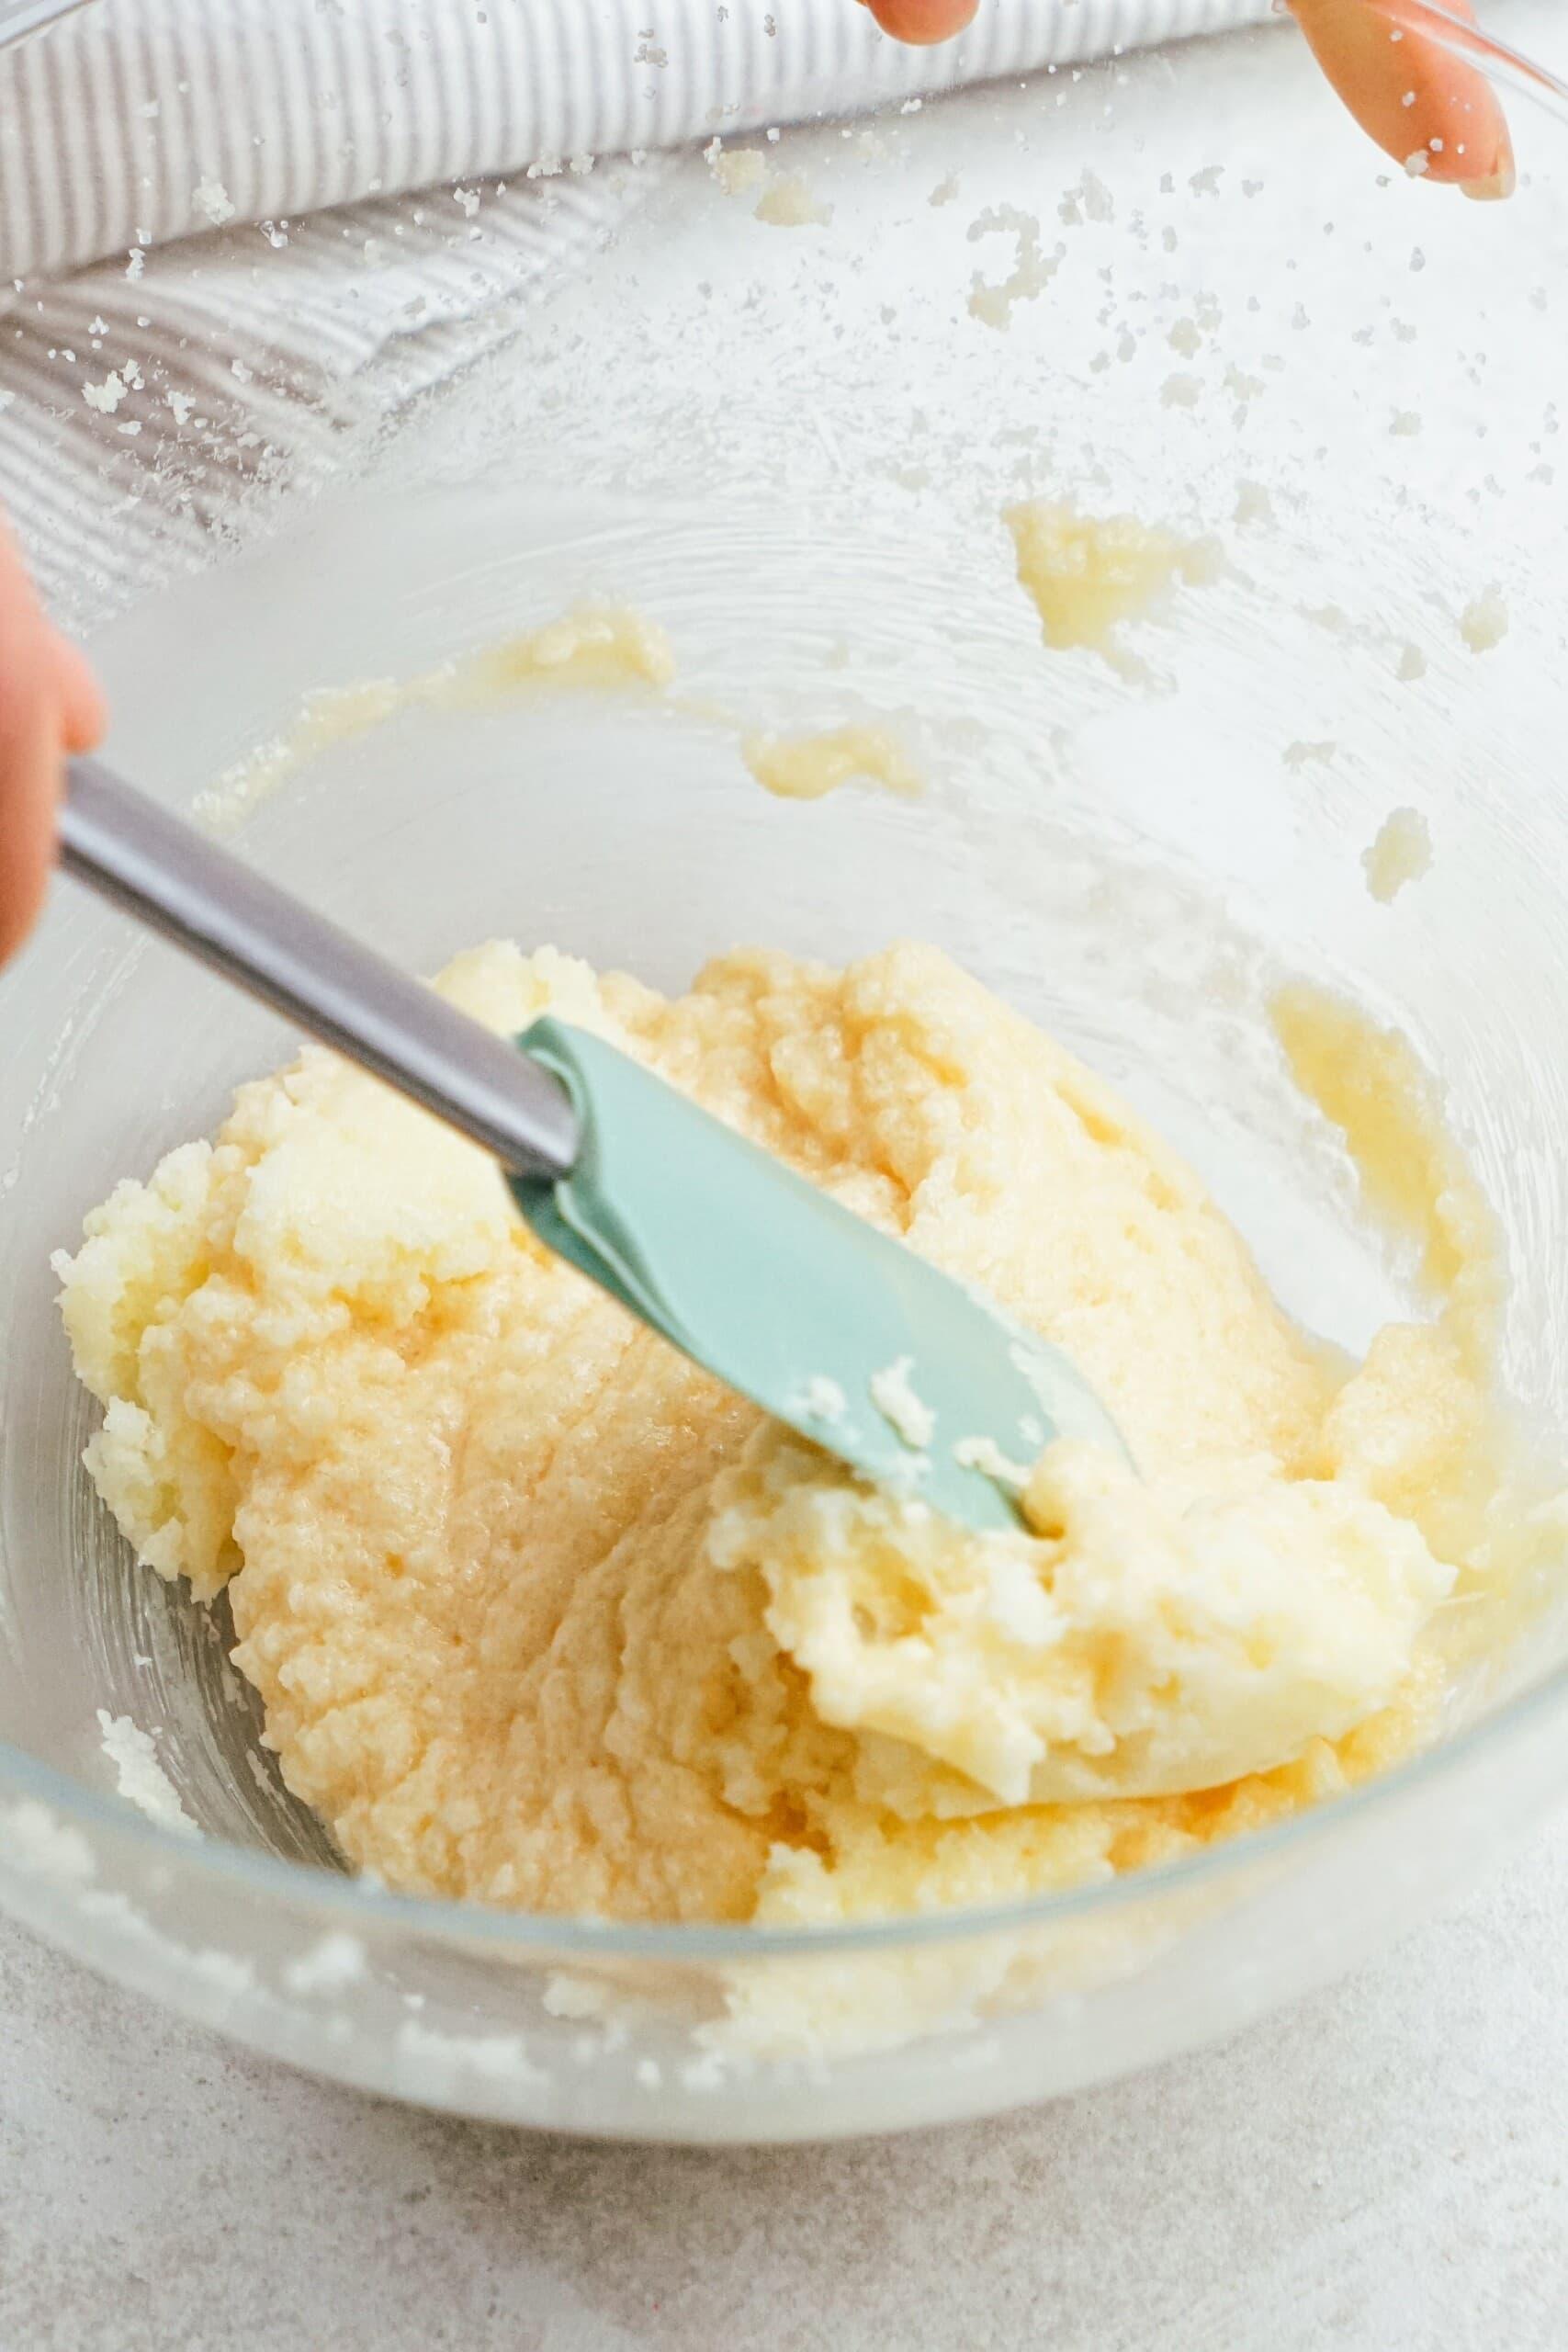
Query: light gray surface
x=1381, y=2170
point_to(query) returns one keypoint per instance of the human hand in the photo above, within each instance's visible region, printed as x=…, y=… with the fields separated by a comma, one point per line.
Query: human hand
x=49, y=704
x=1406, y=91
x=1410, y=95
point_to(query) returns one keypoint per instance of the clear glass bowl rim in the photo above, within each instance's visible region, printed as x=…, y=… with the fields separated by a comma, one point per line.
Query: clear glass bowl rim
x=350, y=1903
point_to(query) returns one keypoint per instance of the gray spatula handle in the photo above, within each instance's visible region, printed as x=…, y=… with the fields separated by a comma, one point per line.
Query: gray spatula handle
x=180, y=884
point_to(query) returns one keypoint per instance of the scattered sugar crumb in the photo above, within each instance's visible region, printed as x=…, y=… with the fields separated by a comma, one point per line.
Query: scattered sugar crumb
x=106, y=397
x=1181, y=392
x=496, y=2057
x=212, y=198
x=1253, y=504
x=1089, y=201
x=1033, y=270
x=573, y=1997
x=1242, y=386
x=1406, y=424
x=983, y=1453
x=822, y=1399
x=788, y=203
x=736, y=170
x=1412, y=664
x=893, y=1394
x=139, y=1776
x=330, y=1966
x=1401, y=854
x=1302, y=754
x=1484, y=624
x=945, y=190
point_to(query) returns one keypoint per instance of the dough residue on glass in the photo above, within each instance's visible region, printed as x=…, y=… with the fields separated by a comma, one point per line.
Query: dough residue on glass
x=1485, y=621
x=1087, y=576
x=736, y=170
x=991, y=302
x=788, y=202
x=140, y=1779
x=602, y=647
x=1401, y=853
x=807, y=767
x=784, y=200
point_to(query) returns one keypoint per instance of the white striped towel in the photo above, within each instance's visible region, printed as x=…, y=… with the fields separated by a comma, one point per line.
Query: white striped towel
x=212, y=266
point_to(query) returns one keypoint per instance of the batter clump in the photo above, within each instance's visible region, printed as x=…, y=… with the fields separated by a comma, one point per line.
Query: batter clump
x=544, y=1616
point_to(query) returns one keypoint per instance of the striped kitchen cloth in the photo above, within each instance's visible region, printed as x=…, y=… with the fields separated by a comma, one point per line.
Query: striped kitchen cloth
x=236, y=233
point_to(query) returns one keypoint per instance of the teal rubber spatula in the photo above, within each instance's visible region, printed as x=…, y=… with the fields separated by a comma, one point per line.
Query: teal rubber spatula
x=913, y=1380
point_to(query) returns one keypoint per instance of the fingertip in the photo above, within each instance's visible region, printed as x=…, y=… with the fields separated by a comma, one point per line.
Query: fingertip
x=1495, y=185
x=29, y=792
x=83, y=713
x=921, y=23
x=1433, y=112
x=21, y=903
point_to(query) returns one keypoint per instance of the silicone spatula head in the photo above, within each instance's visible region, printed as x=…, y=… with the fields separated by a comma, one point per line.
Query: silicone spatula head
x=912, y=1379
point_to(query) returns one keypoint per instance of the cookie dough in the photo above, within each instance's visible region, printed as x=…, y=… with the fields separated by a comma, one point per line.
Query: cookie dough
x=1087, y=575
x=543, y=1616
x=1401, y=853
x=807, y=767
x=594, y=647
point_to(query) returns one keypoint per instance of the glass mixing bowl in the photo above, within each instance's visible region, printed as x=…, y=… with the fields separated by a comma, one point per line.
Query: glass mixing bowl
x=792, y=448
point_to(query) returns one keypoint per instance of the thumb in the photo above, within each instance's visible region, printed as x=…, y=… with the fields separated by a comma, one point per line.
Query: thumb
x=1409, y=94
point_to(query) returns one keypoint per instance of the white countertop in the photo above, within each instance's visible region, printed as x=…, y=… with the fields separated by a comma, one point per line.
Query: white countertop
x=1381, y=2169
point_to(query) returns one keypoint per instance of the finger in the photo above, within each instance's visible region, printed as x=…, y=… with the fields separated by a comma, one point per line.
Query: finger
x=1409, y=94
x=922, y=21
x=49, y=703
x=83, y=716
x=30, y=769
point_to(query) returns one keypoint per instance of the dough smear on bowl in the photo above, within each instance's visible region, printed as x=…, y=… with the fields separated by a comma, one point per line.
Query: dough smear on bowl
x=543, y=1616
